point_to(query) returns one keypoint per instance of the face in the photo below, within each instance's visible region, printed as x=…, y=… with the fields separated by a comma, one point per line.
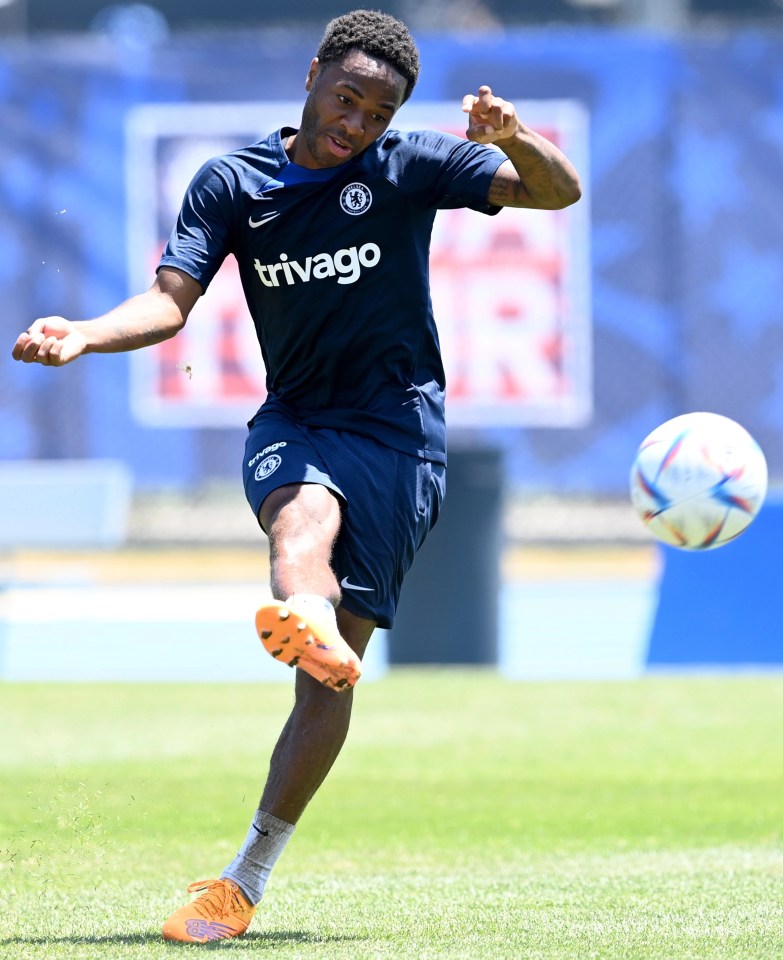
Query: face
x=349, y=105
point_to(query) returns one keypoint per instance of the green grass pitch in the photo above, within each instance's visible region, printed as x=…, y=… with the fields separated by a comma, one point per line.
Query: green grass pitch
x=468, y=817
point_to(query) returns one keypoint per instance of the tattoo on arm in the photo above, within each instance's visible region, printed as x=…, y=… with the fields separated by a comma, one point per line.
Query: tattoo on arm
x=538, y=176
x=504, y=192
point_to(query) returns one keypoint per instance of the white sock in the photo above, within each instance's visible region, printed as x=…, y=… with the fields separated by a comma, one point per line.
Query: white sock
x=320, y=607
x=265, y=841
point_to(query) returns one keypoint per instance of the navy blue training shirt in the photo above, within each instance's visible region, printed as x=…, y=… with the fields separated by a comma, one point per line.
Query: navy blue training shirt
x=335, y=268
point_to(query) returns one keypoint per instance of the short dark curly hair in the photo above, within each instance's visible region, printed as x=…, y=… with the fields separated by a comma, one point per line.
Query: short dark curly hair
x=376, y=34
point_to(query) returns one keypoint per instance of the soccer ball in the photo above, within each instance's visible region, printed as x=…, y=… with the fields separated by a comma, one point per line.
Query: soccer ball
x=698, y=481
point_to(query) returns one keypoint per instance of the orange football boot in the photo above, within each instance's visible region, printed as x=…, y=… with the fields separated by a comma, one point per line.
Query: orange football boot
x=219, y=913
x=313, y=645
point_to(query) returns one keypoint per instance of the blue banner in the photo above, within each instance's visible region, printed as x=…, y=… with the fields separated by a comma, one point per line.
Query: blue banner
x=685, y=246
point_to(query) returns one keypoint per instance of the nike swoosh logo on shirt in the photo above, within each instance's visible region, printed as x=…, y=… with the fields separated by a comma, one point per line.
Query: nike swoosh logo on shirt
x=265, y=219
x=344, y=583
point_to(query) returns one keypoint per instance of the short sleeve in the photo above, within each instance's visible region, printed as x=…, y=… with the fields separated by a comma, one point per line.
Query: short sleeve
x=201, y=238
x=447, y=171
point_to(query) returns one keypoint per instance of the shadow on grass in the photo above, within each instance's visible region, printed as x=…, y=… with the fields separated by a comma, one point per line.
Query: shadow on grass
x=259, y=939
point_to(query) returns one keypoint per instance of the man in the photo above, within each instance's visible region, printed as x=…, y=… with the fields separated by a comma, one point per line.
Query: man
x=344, y=464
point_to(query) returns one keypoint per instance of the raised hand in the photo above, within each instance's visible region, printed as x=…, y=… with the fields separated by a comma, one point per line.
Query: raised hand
x=490, y=118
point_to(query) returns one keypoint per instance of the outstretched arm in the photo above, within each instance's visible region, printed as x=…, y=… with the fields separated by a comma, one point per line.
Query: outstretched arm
x=151, y=317
x=538, y=175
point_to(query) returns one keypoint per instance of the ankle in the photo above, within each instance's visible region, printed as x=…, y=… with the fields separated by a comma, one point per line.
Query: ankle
x=312, y=604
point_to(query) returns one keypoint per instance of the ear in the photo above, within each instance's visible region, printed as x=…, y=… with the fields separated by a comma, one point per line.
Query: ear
x=312, y=73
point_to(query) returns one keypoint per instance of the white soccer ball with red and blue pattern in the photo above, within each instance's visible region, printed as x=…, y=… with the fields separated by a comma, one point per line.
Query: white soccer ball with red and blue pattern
x=698, y=481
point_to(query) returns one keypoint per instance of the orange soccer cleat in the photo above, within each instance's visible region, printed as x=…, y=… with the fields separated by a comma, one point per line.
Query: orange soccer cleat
x=219, y=913
x=311, y=644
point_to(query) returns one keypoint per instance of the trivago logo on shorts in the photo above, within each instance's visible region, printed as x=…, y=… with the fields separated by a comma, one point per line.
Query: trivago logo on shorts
x=345, y=264
x=270, y=460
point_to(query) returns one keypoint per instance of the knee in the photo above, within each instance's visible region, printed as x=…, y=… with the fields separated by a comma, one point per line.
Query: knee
x=356, y=631
x=293, y=543
x=302, y=519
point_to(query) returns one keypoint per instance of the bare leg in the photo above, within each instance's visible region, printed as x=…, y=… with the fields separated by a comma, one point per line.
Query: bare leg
x=302, y=522
x=313, y=734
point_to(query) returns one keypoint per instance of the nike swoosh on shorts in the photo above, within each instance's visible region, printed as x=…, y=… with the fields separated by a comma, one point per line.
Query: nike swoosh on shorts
x=346, y=585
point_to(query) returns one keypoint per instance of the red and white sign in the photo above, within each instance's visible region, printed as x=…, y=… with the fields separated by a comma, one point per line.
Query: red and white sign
x=510, y=293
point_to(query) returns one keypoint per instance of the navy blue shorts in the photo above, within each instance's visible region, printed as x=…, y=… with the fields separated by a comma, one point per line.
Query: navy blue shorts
x=390, y=501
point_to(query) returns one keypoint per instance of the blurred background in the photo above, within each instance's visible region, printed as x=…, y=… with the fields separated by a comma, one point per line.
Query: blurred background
x=123, y=524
